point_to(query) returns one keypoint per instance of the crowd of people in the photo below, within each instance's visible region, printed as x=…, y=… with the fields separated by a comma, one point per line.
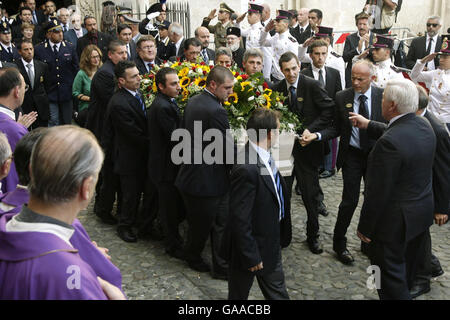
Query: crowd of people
x=71, y=111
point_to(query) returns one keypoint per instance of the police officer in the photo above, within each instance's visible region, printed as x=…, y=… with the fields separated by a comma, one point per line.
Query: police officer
x=281, y=42
x=253, y=33
x=62, y=61
x=385, y=70
x=166, y=48
x=220, y=29
x=147, y=26
x=334, y=60
x=8, y=51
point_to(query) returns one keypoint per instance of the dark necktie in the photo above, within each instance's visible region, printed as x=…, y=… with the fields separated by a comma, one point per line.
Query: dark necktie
x=301, y=30
x=293, y=96
x=428, y=50
x=34, y=18
x=277, y=178
x=141, y=103
x=205, y=56
x=321, y=79
x=9, y=50
x=55, y=49
x=363, y=110
x=150, y=66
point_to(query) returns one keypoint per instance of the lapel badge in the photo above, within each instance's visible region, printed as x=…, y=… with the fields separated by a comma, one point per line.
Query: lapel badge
x=300, y=99
x=349, y=105
x=42, y=79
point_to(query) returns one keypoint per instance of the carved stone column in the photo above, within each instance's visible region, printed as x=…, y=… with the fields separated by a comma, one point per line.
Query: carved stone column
x=89, y=7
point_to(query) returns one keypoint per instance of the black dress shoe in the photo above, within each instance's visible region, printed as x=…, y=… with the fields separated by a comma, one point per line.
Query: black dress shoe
x=322, y=209
x=297, y=190
x=199, y=266
x=345, y=257
x=437, y=272
x=176, y=253
x=419, y=289
x=315, y=246
x=126, y=234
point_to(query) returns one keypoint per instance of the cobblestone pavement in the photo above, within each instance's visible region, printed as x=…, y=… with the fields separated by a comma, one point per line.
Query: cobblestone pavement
x=148, y=273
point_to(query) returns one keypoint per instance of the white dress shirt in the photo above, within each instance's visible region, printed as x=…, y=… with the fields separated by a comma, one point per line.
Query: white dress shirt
x=315, y=72
x=354, y=138
x=431, y=65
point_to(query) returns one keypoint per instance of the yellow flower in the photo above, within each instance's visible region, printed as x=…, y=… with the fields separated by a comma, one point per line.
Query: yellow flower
x=233, y=98
x=184, y=82
x=154, y=88
x=201, y=82
x=183, y=72
x=244, y=84
x=268, y=101
x=268, y=92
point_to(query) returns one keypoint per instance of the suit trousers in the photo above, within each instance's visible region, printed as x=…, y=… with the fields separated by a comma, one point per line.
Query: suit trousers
x=308, y=178
x=272, y=284
x=132, y=187
x=108, y=185
x=353, y=170
x=206, y=216
x=147, y=218
x=60, y=113
x=429, y=263
x=398, y=264
x=171, y=213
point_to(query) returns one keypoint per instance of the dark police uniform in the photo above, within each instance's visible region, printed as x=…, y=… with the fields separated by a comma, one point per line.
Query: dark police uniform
x=63, y=66
x=7, y=53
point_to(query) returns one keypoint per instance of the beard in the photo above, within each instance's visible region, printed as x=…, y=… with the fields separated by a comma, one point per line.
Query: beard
x=233, y=47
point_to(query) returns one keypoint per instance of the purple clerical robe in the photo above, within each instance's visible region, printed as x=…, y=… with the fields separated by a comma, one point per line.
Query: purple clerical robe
x=15, y=198
x=14, y=132
x=42, y=266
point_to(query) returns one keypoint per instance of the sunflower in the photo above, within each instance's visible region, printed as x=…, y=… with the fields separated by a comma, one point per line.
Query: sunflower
x=233, y=98
x=244, y=84
x=268, y=101
x=184, y=82
x=201, y=82
x=185, y=94
x=268, y=92
x=183, y=72
x=154, y=88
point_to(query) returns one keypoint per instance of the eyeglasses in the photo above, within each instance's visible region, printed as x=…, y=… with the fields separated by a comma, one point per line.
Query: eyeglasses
x=432, y=24
x=95, y=57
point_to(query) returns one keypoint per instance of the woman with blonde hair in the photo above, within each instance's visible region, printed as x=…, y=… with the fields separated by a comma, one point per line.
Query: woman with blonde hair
x=90, y=62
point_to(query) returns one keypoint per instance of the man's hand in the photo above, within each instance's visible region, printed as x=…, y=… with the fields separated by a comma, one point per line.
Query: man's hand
x=308, y=42
x=104, y=251
x=28, y=119
x=111, y=291
x=358, y=120
x=269, y=26
x=212, y=14
x=363, y=238
x=257, y=267
x=241, y=17
x=429, y=57
x=364, y=54
x=364, y=40
x=307, y=138
x=440, y=219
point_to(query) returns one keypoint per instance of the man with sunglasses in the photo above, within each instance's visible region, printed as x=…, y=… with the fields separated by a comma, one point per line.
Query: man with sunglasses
x=425, y=45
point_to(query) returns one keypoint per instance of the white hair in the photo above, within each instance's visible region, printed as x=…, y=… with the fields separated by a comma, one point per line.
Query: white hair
x=58, y=13
x=5, y=148
x=176, y=28
x=404, y=93
x=369, y=65
x=435, y=18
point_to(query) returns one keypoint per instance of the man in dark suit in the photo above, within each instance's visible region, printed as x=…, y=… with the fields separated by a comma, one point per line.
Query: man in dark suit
x=93, y=36
x=164, y=118
x=177, y=38
x=203, y=34
x=192, y=49
x=315, y=17
x=308, y=99
x=398, y=202
x=76, y=32
x=204, y=182
x=24, y=16
x=259, y=224
x=302, y=26
x=423, y=46
x=102, y=89
x=35, y=74
x=331, y=80
x=356, y=44
x=38, y=16
x=146, y=54
x=124, y=34
x=354, y=147
x=429, y=266
x=63, y=66
x=8, y=51
x=129, y=122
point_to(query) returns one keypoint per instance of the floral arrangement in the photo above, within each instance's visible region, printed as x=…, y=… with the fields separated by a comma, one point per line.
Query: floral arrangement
x=250, y=92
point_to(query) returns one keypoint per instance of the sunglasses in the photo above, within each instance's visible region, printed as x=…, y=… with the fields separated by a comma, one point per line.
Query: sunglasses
x=432, y=24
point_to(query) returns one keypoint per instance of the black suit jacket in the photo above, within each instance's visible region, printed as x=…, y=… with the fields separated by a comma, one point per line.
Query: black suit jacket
x=350, y=50
x=333, y=82
x=341, y=125
x=130, y=151
x=441, y=164
x=398, y=198
x=211, y=54
x=141, y=65
x=103, y=41
x=71, y=36
x=36, y=98
x=205, y=180
x=102, y=89
x=418, y=49
x=305, y=35
x=315, y=110
x=254, y=232
x=163, y=118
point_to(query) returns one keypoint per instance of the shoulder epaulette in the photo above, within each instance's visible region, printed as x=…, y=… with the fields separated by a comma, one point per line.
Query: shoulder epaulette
x=395, y=68
x=335, y=54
